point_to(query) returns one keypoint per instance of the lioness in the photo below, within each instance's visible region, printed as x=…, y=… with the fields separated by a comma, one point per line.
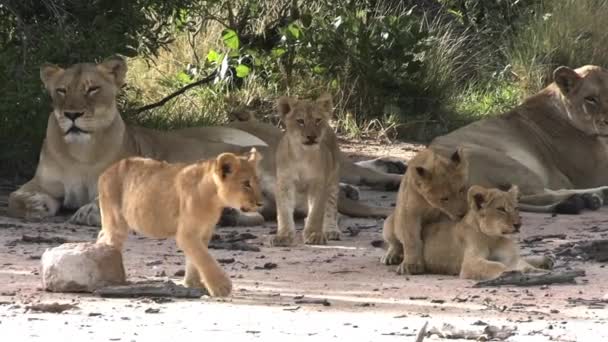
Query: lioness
x=432, y=187
x=307, y=159
x=162, y=200
x=479, y=246
x=553, y=145
x=86, y=134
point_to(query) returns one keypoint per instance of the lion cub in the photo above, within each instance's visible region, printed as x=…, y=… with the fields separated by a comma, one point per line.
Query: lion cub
x=162, y=200
x=479, y=246
x=307, y=161
x=432, y=187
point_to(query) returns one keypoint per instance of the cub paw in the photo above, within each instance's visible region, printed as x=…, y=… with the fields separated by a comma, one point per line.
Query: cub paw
x=410, y=268
x=87, y=215
x=315, y=238
x=282, y=240
x=391, y=258
x=220, y=287
x=40, y=206
x=333, y=235
x=593, y=201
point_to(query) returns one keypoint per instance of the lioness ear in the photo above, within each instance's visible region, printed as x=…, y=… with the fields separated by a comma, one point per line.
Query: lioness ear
x=326, y=105
x=566, y=78
x=285, y=105
x=477, y=196
x=254, y=156
x=514, y=191
x=49, y=71
x=456, y=157
x=227, y=164
x=117, y=67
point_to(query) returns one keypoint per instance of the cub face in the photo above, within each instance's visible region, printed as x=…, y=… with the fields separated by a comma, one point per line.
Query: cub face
x=585, y=91
x=306, y=121
x=441, y=181
x=496, y=211
x=84, y=96
x=237, y=180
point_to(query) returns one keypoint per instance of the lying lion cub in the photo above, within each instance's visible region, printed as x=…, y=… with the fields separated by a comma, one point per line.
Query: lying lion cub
x=161, y=200
x=479, y=246
x=307, y=158
x=432, y=188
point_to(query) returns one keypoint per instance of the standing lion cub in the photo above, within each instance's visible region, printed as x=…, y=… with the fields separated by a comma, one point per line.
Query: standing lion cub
x=307, y=159
x=479, y=246
x=162, y=200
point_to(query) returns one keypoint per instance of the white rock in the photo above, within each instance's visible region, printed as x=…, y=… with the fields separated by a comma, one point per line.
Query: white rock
x=81, y=267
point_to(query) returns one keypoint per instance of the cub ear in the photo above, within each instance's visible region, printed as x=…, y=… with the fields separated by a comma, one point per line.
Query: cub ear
x=477, y=196
x=326, y=105
x=226, y=164
x=48, y=71
x=116, y=66
x=514, y=191
x=566, y=79
x=254, y=156
x=285, y=106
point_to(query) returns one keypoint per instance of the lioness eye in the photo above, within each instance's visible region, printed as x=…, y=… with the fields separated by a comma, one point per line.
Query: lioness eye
x=300, y=122
x=591, y=99
x=60, y=91
x=502, y=209
x=247, y=184
x=92, y=90
x=318, y=122
x=444, y=199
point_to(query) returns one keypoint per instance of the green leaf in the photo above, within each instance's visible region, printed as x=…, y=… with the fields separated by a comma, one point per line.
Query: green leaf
x=242, y=70
x=294, y=30
x=278, y=52
x=182, y=77
x=231, y=39
x=213, y=56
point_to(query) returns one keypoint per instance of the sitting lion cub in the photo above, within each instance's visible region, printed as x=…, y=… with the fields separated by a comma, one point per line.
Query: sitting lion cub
x=307, y=158
x=432, y=187
x=162, y=200
x=479, y=246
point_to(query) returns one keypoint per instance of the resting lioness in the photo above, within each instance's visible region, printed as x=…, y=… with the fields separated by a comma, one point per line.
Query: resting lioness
x=85, y=134
x=307, y=159
x=432, y=187
x=479, y=246
x=553, y=145
x=162, y=200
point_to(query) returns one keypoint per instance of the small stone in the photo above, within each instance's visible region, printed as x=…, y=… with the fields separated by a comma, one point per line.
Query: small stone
x=81, y=267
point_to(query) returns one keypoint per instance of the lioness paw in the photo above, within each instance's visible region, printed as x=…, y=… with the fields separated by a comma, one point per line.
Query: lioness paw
x=333, y=235
x=282, y=240
x=410, y=268
x=40, y=206
x=391, y=258
x=87, y=215
x=593, y=201
x=547, y=262
x=315, y=238
x=220, y=287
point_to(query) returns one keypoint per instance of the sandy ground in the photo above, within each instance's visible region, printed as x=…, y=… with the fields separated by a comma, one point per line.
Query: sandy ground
x=366, y=301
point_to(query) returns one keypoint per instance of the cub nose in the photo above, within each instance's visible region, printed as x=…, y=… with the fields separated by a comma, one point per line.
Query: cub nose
x=517, y=226
x=73, y=115
x=311, y=137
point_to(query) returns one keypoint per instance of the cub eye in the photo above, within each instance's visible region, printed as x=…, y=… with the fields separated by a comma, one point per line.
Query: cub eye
x=247, y=184
x=318, y=122
x=591, y=100
x=300, y=122
x=462, y=190
x=444, y=199
x=502, y=209
x=92, y=90
x=60, y=91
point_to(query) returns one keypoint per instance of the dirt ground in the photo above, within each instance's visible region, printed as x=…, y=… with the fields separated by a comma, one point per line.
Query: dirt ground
x=358, y=299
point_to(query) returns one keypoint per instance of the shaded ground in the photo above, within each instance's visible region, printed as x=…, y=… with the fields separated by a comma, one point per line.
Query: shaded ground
x=368, y=301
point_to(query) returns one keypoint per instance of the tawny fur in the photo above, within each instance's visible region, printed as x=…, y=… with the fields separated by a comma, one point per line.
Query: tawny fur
x=307, y=160
x=432, y=187
x=162, y=200
x=480, y=246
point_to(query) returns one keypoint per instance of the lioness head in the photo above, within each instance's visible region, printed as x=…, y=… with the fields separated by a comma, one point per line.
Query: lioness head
x=237, y=180
x=494, y=210
x=441, y=181
x=84, y=95
x=585, y=95
x=306, y=121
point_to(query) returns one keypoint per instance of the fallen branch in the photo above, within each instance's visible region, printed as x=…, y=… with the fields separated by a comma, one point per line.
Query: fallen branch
x=51, y=307
x=176, y=93
x=422, y=332
x=150, y=289
x=490, y=332
x=532, y=279
x=233, y=246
